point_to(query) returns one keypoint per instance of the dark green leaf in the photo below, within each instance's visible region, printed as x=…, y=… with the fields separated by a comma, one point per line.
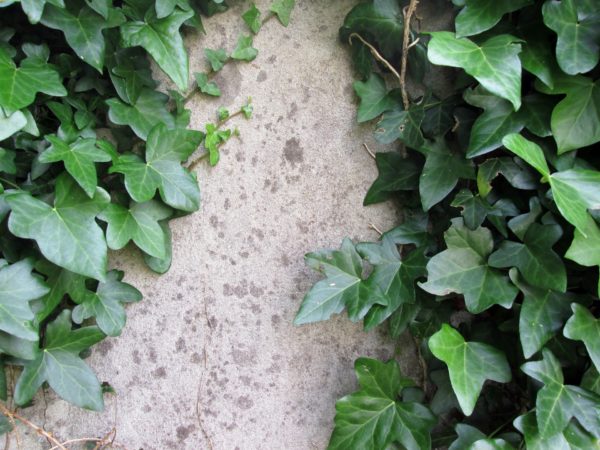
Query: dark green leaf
x=374, y=98
x=395, y=174
x=481, y=15
x=467, y=435
x=252, y=19
x=207, y=87
x=244, y=50
x=216, y=58
x=583, y=326
x=34, y=8
x=402, y=125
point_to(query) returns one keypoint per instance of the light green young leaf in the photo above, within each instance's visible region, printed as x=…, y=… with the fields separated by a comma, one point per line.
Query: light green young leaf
x=578, y=30
x=34, y=8
x=216, y=58
x=462, y=268
x=59, y=364
x=252, y=18
x=162, y=265
x=243, y=50
x=161, y=38
x=139, y=223
x=17, y=288
x=528, y=151
x=79, y=159
x=67, y=233
x=374, y=98
x=148, y=110
x=527, y=425
x=583, y=326
x=207, y=87
x=11, y=123
x=106, y=304
x=372, y=418
x=165, y=150
x=478, y=16
x=491, y=444
x=19, y=85
x=469, y=364
x=283, y=10
x=495, y=63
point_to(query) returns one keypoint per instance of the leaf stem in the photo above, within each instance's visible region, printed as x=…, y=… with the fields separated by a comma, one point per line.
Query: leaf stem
x=406, y=45
x=10, y=183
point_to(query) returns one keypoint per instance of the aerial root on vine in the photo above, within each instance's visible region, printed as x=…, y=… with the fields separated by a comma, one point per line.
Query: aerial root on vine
x=375, y=54
x=374, y=227
x=406, y=44
x=369, y=150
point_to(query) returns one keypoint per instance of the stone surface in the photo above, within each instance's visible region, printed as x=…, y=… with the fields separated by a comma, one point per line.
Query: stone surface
x=211, y=352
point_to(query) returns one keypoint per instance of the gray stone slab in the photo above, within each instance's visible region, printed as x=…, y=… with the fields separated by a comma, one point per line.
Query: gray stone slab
x=211, y=352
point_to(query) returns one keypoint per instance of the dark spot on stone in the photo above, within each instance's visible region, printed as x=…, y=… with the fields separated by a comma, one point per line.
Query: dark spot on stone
x=104, y=347
x=147, y=408
x=221, y=235
x=180, y=345
x=244, y=402
x=184, y=432
x=271, y=59
x=229, y=80
x=258, y=233
x=262, y=76
x=275, y=320
x=136, y=357
x=244, y=254
x=292, y=152
x=214, y=221
x=240, y=291
x=152, y=355
x=293, y=110
x=243, y=357
x=196, y=359
x=227, y=204
x=161, y=372
x=323, y=28
x=256, y=291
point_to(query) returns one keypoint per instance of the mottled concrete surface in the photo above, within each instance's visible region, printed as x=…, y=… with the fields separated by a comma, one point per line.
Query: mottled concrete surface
x=211, y=352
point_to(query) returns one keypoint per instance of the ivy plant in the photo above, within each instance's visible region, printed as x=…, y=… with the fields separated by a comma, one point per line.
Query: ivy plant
x=494, y=269
x=93, y=157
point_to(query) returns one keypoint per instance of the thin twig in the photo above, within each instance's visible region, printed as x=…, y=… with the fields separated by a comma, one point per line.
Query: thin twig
x=369, y=150
x=377, y=230
x=13, y=415
x=405, y=46
x=376, y=54
x=10, y=183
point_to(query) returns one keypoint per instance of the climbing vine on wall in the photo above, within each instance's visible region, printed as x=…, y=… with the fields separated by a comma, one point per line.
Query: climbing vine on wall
x=494, y=269
x=92, y=158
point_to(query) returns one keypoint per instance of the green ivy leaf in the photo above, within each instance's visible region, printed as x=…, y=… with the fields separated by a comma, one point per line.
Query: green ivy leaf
x=528, y=151
x=517, y=175
x=537, y=56
x=140, y=223
x=79, y=159
x=443, y=168
x=252, y=19
x=10, y=124
x=162, y=265
x=374, y=98
x=106, y=304
x=394, y=276
x=535, y=259
x=372, y=418
x=161, y=38
x=495, y=63
x=585, y=249
x=148, y=110
x=17, y=288
x=557, y=403
x=19, y=85
x=583, y=326
x=466, y=436
x=216, y=58
x=527, y=425
x=478, y=16
x=491, y=444
x=469, y=364
x=577, y=24
x=34, y=8
x=403, y=125
x=575, y=191
x=462, y=268
x=58, y=363
x=67, y=233
x=243, y=50
x=165, y=150
x=83, y=32
x=342, y=287
x=395, y=174
x=283, y=10
x=207, y=87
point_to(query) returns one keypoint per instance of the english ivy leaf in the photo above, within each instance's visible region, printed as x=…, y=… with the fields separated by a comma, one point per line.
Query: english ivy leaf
x=161, y=38
x=497, y=120
x=283, y=10
x=130, y=74
x=67, y=233
x=537, y=56
x=214, y=138
x=79, y=159
x=34, y=8
x=527, y=425
x=403, y=125
x=17, y=288
x=528, y=151
x=19, y=85
x=578, y=30
x=491, y=444
x=557, y=403
x=585, y=249
x=575, y=118
x=148, y=110
x=583, y=326
x=140, y=223
x=478, y=16
x=374, y=98
x=393, y=276
x=162, y=265
x=83, y=32
x=244, y=50
x=537, y=110
x=591, y=380
x=102, y=7
x=216, y=58
x=443, y=168
x=463, y=268
x=7, y=161
x=474, y=208
x=165, y=150
x=469, y=364
x=252, y=19
x=444, y=399
x=439, y=118
x=395, y=174
x=373, y=418
x=535, y=259
x=207, y=87
x=543, y=313
x=59, y=364
x=467, y=435
x=11, y=123
x=106, y=304
x=495, y=63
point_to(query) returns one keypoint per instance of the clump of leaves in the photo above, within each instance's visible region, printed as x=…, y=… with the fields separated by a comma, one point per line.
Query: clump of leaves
x=91, y=159
x=494, y=269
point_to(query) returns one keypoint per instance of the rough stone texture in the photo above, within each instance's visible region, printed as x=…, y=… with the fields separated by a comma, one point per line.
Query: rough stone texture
x=211, y=352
